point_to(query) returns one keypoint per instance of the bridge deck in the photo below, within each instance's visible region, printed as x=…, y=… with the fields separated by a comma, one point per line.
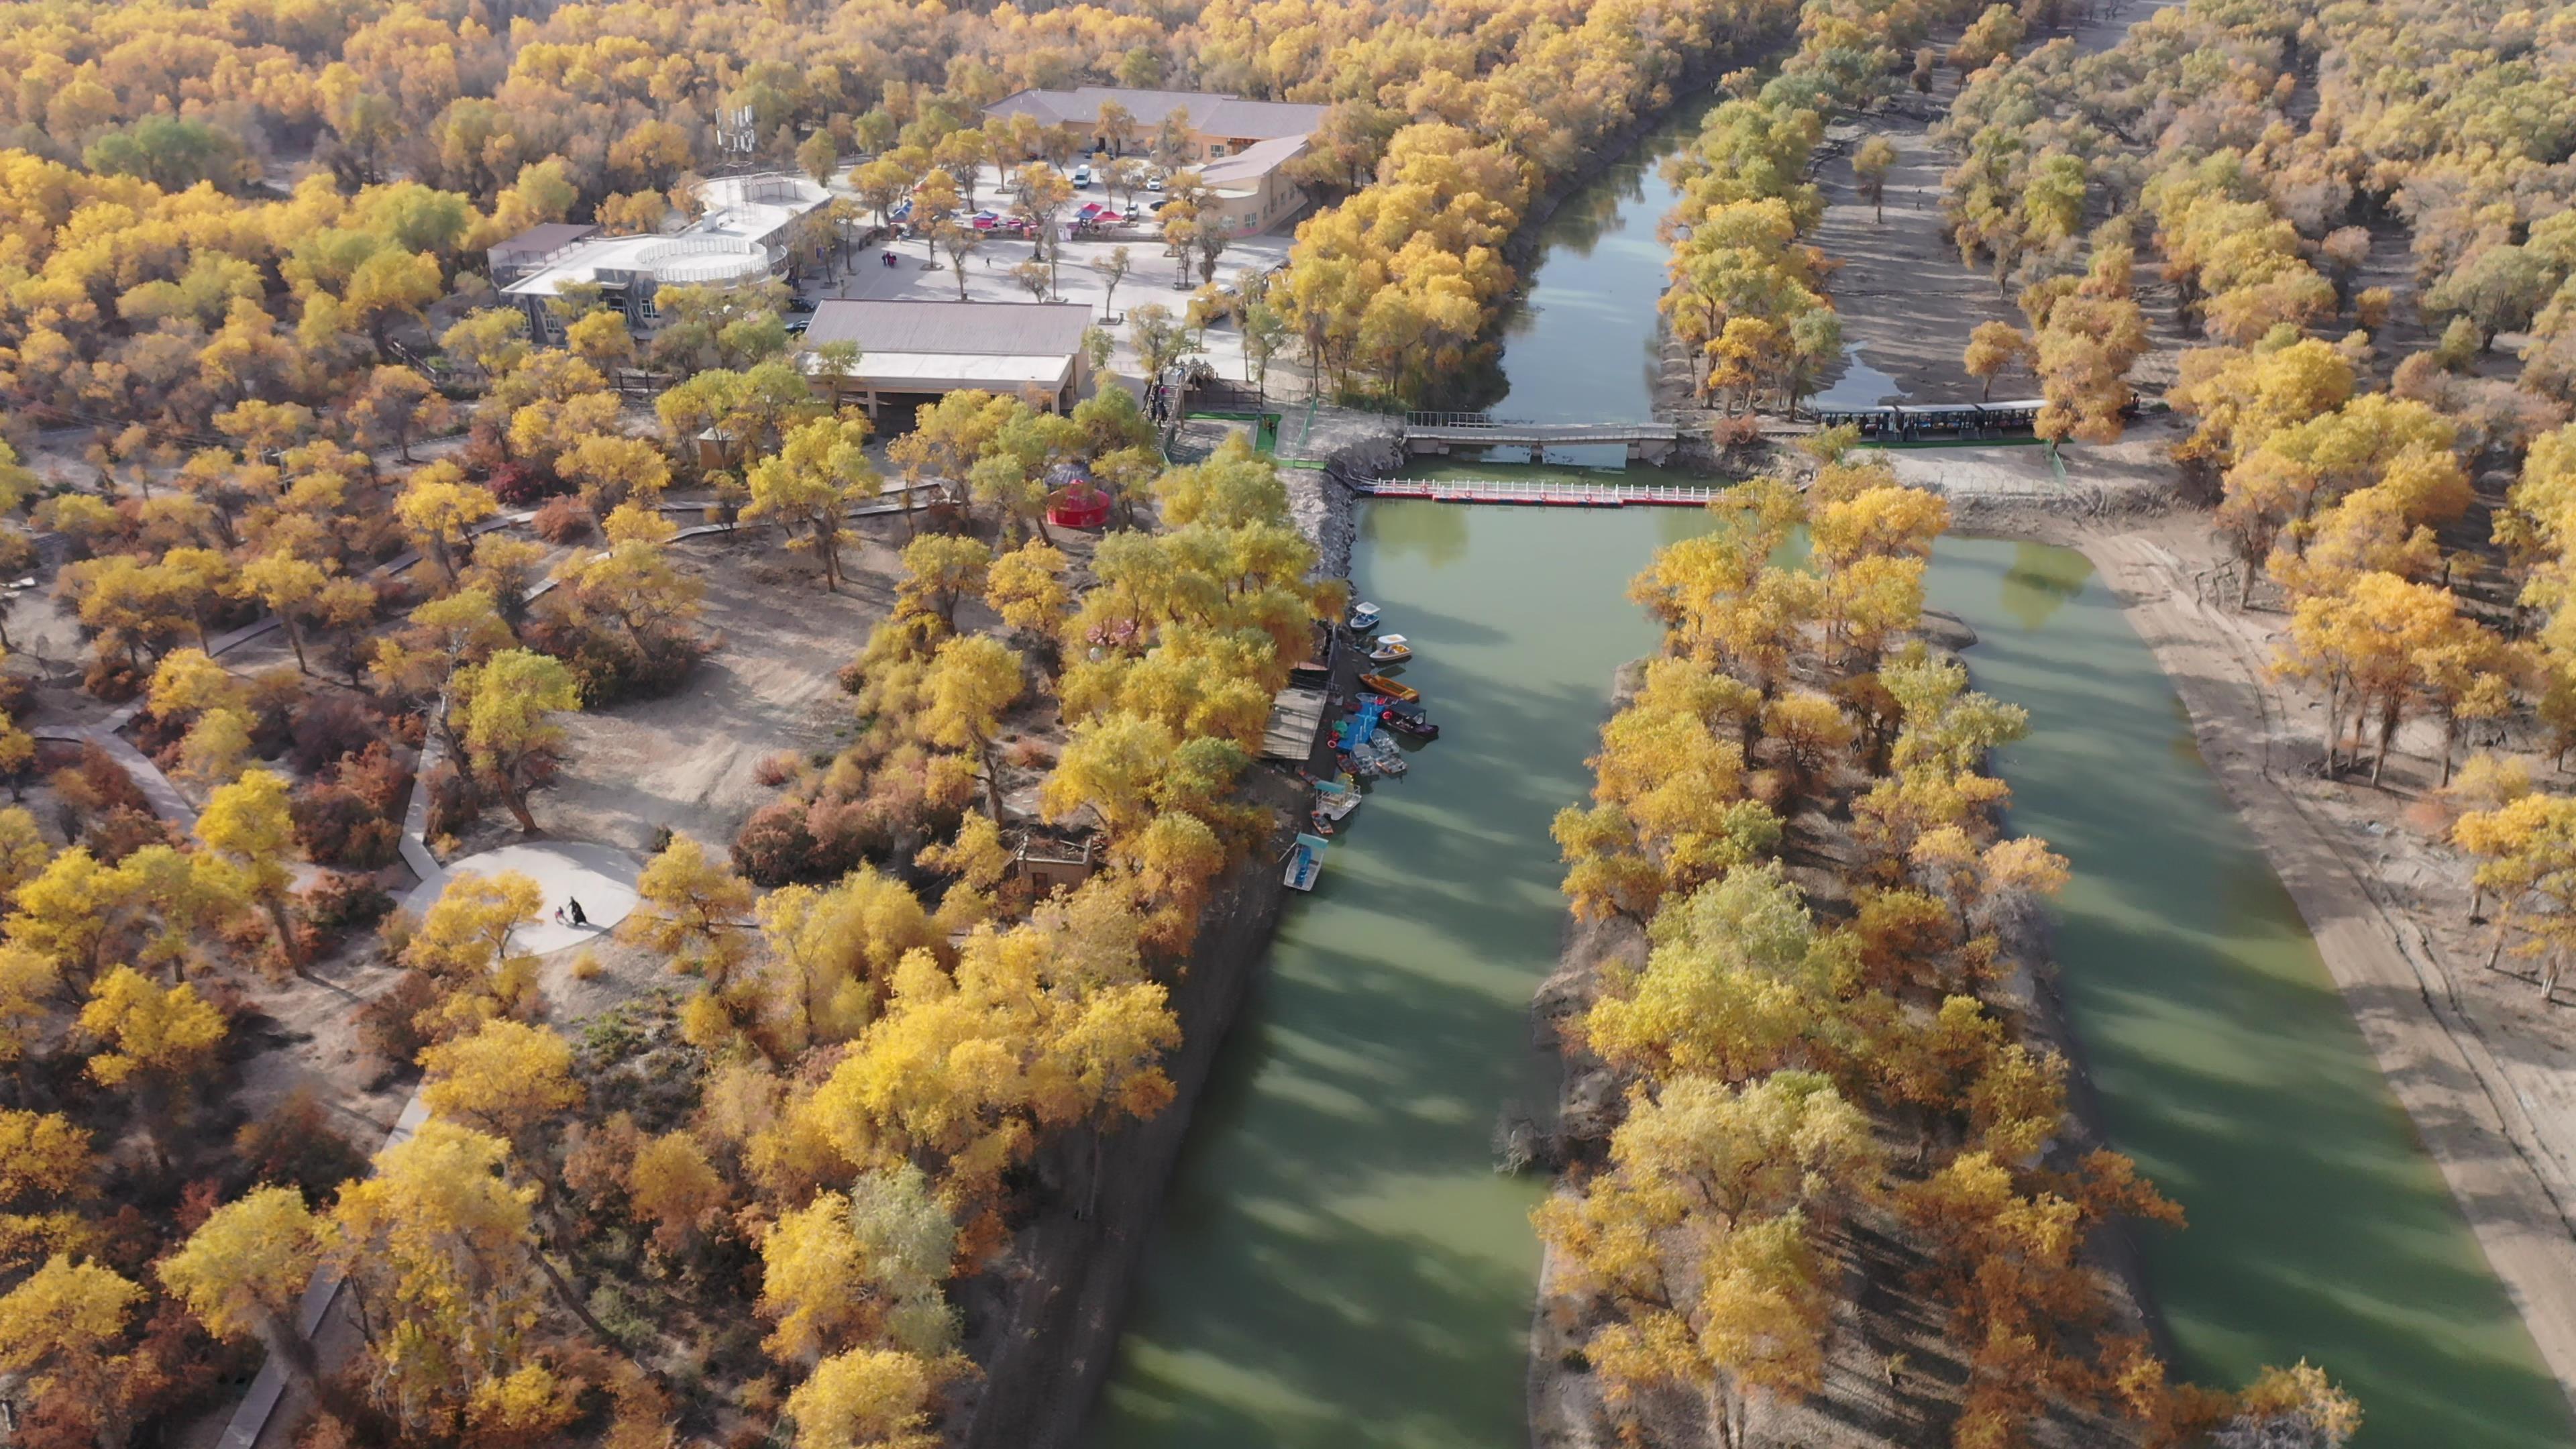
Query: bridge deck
x=1548, y=493
x=1504, y=435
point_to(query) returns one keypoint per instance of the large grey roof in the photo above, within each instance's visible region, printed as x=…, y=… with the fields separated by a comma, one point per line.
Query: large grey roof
x=1211, y=113
x=1007, y=329
x=543, y=238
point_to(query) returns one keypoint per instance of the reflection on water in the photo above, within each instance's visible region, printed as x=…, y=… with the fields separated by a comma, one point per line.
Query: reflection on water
x=2227, y=1063
x=1435, y=537
x=2041, y=581
x=1859, y=386
x=1583, y=344
x=1339, y=1266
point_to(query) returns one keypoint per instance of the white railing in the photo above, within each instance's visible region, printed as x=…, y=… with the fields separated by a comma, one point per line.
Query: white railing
x=1562, y=493
x=689, y=259
x=1470, y=428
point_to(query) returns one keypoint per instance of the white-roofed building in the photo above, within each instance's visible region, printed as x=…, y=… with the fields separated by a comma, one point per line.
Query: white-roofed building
x=916, y=352
x=740, y=235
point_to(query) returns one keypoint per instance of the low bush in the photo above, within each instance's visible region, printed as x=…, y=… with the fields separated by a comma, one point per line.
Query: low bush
x=518, y=485
x=113, y=680
x=562, y=520
x=292, y=1144
x=344, y=901
x=338, y=826
x=772, y=847
x=454, y=802
x=123, y=830
x=328, y=727
x=390, y=1027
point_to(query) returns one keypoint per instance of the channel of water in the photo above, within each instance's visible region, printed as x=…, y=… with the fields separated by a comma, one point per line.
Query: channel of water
x=1340, y=1266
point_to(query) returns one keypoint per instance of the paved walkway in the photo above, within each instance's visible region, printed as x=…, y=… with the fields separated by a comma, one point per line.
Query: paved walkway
x=165, y=798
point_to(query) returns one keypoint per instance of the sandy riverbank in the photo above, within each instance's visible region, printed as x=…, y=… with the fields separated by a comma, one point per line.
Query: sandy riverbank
x=2483, y=1068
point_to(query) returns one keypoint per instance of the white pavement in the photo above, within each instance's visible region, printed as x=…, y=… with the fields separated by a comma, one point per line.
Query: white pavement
x=601, y=877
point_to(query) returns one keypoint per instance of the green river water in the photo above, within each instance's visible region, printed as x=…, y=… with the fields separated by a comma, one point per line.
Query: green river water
x=1339, y=1265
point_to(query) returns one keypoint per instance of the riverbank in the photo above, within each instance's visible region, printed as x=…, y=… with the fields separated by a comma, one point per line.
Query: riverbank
x=2488, y=1087
x=1070, y=1275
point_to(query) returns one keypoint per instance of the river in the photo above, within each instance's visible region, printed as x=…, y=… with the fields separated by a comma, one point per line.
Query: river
x=1340, y=1266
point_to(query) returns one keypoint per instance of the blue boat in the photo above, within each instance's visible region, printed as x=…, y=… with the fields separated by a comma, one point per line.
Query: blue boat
x=1305, y=861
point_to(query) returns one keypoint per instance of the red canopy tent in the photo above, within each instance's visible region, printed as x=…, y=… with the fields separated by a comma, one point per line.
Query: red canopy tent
x=1078, y=505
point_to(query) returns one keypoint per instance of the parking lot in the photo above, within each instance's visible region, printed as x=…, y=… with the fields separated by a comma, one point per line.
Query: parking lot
x=1153, y=276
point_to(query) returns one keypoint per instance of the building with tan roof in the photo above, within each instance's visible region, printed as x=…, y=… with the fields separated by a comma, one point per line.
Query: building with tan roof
x=916, y=352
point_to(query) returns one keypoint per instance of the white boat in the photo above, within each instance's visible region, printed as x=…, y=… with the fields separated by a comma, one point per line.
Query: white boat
x=1379, y=753
x=1305, y=861
x=1390, y=649
x=1333, y=802
x=1364, y=616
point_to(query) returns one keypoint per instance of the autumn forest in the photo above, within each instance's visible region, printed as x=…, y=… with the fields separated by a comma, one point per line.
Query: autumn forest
x=363, y=598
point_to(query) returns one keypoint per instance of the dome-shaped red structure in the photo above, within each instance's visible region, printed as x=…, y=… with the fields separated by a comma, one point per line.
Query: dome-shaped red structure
x=1078, y=504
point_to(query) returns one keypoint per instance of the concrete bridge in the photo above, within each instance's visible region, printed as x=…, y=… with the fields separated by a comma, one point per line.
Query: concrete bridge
x=1437, y=433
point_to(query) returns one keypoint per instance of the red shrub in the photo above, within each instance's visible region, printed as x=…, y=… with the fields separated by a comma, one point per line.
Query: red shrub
x=124, y=830
x=375, y=776
x=328, y=727
x=341, y=901
x=517, y=485
x=338, y=826
x=562, y=520
x=113, y=680
x=453, y=801
x=773, y=847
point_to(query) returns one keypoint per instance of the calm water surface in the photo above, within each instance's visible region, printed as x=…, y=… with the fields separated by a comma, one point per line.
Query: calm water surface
x=1340, y=1266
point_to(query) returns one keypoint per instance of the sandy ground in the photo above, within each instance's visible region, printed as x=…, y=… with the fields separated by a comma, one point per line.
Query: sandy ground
x=770, y=684
x=1907, y=303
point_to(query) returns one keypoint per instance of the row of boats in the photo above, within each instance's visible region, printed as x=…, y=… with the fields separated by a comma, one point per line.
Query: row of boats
x=1363, y=743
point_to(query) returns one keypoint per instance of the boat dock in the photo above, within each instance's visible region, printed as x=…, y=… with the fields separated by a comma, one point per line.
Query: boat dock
x=1547, y=493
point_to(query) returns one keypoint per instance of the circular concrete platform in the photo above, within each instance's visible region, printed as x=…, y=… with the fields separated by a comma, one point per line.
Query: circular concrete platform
x=601, y=877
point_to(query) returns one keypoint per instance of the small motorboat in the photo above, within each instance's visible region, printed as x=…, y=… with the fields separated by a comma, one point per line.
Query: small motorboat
x=1405, y=694
x=1334, y=800
x=1364, y=616
x=1378, y=753
x=1390, y=649
x=1305, y=861
x=1410, y=719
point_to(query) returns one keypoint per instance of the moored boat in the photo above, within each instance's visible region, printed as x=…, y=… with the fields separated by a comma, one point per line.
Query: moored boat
x=1411, y=719
x=1390, y=649
x=1364, y=616
x=1391, y=689
x=1334, y=800
x=1305, y=861
x=1379, y=753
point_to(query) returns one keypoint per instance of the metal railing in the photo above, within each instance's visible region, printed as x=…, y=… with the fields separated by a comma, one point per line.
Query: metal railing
x=1449, y=425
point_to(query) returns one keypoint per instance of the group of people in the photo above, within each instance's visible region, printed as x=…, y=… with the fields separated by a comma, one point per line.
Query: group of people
x=573, y=905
